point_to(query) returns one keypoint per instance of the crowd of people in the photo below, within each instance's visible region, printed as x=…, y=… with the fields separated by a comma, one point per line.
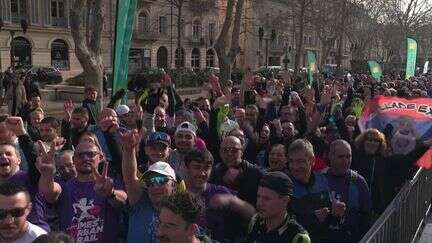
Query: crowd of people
x=271, y=160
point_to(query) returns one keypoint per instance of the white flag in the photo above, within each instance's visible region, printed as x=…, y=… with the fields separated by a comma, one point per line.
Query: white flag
x=426, y=67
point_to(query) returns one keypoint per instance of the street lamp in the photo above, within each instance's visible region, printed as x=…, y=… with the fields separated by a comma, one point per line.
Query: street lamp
x=272, y=37
x=286, y=60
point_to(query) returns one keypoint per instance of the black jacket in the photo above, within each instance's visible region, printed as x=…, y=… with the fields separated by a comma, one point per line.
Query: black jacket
x=246, y=184
x=385, y=174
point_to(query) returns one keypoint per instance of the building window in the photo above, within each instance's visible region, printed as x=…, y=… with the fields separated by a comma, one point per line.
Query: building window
x=34, y=11
x=18, y=10
x=210, y=58
x=22, y=51
x=211, y=32
x=163, y=27
x=58, y=13
x=196, y=29
x=60, y=55
x=143, y=23
x=195, y=59
x=180, y=57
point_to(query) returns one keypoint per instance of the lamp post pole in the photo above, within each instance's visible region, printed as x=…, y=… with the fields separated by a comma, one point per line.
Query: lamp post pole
x=12, y=49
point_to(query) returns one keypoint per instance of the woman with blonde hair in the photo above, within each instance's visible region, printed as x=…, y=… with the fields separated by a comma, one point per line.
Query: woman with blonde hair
x=383, y=173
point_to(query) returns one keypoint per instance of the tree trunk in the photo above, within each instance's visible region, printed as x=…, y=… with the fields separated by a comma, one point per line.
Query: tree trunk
x=226, y=58
x=88, y=53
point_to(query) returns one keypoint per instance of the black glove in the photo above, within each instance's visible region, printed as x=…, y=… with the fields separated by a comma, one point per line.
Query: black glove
x=116, y=97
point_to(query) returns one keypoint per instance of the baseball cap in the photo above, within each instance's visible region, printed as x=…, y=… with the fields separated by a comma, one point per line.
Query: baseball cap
x=122, y=110
x=186, y=127
x=162, y=168
x=278, y=182
x=158, y=137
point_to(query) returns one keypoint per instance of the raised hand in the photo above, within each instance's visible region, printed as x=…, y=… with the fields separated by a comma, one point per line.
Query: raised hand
x=45, y=161
x=109, y=124
x=16, y=125
x=214, y=81
x=166, y=81
x=138, y=112
x=130, y=139
x=199, y=115
x=322, y=214
x=68, y=109
x=104, y=186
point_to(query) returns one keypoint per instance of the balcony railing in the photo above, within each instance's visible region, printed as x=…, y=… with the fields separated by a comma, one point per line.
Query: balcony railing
x=146, y=36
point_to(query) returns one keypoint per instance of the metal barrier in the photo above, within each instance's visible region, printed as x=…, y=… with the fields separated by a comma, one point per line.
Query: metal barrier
x=403, y=218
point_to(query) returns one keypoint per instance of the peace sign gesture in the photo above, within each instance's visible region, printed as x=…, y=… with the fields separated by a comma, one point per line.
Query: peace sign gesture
x=104, y=185
x=45, y=161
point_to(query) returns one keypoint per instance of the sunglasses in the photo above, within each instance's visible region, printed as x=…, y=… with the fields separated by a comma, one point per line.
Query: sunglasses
x=156, y=181
x=89, y=154
x=16, y=212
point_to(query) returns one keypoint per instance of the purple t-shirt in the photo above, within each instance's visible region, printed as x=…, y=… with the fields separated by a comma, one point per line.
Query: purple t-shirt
x=86, y=216
x=37, y=214
x=214, y=220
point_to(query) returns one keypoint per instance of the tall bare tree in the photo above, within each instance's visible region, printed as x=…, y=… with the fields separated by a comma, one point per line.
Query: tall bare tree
x=88, y=51
x=324, y=19
x=227, y=45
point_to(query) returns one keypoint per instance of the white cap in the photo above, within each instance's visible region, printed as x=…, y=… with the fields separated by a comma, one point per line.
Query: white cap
x=162, y=168
x=186, y=127
x=122, y=110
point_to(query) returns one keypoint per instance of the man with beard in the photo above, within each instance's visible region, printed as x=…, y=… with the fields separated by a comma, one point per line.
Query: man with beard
x=236, y=173
x=49, y=130
x=88, y=205
x=273, y=224
x=159, y=181
x=74, y=123
x=15, y=207
x=222, y=205
x=179, y=218
x=184, y=140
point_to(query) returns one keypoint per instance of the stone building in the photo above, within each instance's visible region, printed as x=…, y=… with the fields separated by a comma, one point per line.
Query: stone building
x=47, y=41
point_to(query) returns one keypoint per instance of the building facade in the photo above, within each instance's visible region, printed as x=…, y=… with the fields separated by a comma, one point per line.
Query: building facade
x=48, y=42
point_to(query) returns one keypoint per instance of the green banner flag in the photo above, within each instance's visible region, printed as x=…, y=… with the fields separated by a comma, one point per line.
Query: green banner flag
x=312, y=66
x=411, y=58
x=375, y=70
x=123, y=35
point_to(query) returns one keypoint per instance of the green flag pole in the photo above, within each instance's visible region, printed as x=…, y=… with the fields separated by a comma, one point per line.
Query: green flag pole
x=411, y=58
x=123, y=34
x=312, y=66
